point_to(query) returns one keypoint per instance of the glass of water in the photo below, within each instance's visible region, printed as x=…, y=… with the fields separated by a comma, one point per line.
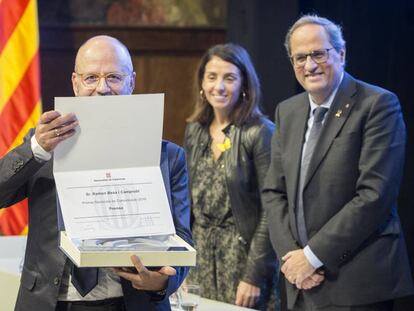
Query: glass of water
x=187, y=298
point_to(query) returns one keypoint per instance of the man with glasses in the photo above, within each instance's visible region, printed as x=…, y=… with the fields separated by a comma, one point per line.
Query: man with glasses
x=332, y=186
x=49, y=281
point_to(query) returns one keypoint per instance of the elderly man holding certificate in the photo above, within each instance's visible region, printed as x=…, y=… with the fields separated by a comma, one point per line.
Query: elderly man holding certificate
x=49, y=280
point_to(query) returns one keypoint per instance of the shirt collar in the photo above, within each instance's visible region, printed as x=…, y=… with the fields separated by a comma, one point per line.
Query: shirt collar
x=328, y=102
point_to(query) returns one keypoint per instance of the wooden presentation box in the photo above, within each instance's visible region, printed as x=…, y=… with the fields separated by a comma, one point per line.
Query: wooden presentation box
x=180, y=253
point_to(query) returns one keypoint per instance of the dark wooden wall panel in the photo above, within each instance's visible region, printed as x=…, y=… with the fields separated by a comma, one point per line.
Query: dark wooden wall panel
x=173, y=76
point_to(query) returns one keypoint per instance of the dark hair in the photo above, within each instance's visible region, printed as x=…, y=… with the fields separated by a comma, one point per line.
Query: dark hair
x=247, y=106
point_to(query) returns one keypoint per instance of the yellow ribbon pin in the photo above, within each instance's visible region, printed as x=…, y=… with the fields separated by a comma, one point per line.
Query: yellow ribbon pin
x=226, y=145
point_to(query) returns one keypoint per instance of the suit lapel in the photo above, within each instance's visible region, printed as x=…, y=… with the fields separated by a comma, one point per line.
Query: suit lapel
x=165, y=170
x=295, y=132
x=298, y=129
x=336, y=118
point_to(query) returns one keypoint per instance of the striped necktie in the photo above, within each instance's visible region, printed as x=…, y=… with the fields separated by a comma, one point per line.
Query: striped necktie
x=318, y=115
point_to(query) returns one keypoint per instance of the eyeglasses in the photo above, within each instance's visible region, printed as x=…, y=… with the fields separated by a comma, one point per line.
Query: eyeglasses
x=318, y=56
x=112, y=79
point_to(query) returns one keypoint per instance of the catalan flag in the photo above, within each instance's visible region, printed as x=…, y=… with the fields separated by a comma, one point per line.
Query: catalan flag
x=20, y=102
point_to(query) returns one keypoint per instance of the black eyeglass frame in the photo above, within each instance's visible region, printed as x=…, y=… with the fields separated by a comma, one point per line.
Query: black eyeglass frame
x=311, y=54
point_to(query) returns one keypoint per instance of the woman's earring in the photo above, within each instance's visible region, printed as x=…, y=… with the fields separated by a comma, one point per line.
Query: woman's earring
x=202, y=96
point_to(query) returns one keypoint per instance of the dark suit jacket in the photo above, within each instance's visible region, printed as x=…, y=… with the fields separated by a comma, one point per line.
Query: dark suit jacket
x=350, y=194
x=22, y=176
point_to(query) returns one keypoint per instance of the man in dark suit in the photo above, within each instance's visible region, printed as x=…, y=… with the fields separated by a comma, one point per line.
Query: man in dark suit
x=103, y=67
x=332, y=186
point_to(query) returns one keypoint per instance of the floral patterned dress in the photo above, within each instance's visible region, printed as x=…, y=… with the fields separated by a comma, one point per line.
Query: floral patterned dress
x=221, y=257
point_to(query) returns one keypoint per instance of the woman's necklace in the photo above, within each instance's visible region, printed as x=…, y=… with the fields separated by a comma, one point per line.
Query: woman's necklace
x=220, y=142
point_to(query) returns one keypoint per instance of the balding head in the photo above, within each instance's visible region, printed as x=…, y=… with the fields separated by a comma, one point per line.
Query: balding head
x=102, y=55
x=104, y=43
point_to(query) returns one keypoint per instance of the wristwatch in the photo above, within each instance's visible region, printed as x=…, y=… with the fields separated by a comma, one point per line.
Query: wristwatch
x=161, y=292
x=157, y=295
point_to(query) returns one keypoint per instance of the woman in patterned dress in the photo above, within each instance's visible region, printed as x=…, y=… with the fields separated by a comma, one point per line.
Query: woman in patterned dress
x=227, y=142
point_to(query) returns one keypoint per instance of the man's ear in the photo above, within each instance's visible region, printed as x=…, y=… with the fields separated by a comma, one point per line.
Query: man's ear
x=75, y=84
x=342, y=54
x=132, y=82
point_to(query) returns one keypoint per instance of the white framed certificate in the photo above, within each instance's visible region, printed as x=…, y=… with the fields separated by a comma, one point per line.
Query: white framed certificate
x=107, y=175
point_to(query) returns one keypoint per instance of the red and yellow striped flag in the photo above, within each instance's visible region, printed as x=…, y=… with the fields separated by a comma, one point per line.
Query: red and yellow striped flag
x=20, y=102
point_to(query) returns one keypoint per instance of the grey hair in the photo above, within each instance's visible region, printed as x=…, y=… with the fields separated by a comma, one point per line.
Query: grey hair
x=333, y=30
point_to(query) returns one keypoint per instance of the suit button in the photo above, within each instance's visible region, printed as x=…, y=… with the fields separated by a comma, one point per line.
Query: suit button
x=242, y=240
x=56, y=281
